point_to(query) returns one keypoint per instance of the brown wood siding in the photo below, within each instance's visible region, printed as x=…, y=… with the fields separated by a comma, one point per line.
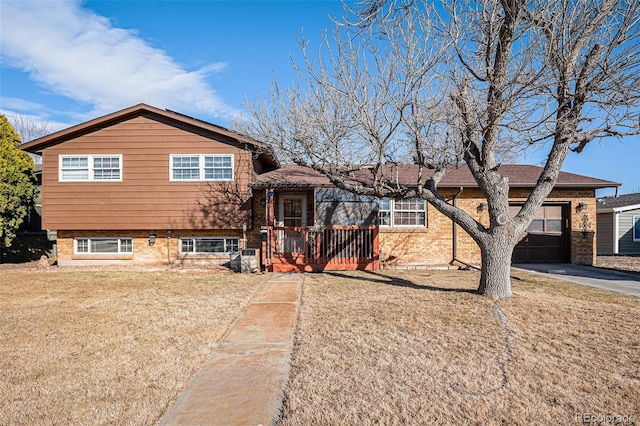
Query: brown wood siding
x=146, y=199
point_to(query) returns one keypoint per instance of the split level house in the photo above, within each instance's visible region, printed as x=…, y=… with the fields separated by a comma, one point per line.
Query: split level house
x=151, y=186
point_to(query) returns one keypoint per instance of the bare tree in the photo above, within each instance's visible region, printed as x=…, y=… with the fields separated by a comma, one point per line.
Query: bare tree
x=461, y=82
x=30, y=128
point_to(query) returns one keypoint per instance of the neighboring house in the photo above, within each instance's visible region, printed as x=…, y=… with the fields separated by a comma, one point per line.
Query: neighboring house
x=149, y=186
x=145, y=185
x=313, y=226
x=618, y=221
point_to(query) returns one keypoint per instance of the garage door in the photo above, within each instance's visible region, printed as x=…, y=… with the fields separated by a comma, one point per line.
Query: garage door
x=546, y=239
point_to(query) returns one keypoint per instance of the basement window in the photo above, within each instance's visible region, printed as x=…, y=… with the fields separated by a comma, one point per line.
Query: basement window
x=103, y=245
x=209, y=245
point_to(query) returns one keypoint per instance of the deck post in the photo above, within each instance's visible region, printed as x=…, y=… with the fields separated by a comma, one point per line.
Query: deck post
x=376, y=248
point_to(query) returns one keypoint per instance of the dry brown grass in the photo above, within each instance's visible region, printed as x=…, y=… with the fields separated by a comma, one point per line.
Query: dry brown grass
x=419, y=348
x=620, y=263
x=106, y=347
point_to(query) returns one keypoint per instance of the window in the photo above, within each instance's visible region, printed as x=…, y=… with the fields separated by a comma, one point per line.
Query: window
x=218, y=167
x=74, y=169
x=636, y=228
x=185, y=168
x=547, y=220
x=402, y=213
x=409, y=212
x=385, y=212
x=103, y=245
x=90, y=168
x=207, y=245
x=199, y=167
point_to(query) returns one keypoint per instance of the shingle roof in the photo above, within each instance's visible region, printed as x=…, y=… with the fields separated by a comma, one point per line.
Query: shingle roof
x=618, y=202
x=520, y=175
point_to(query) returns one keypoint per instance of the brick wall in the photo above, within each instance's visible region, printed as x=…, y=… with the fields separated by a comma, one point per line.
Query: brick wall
x=259, y=217
x=433, y=245
x=404, y=247
x=164, y=251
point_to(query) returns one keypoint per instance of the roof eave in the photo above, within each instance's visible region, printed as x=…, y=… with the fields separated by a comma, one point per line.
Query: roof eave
x=38, y=145
x=532, y=185
x=294, y=185
x=618, y=209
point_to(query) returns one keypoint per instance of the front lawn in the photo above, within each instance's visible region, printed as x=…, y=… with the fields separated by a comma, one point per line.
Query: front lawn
x=418, y=347
x=401, y=347
x=107, y=347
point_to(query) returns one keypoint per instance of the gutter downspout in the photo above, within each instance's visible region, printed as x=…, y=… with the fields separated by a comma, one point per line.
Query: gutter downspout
x=454, y=232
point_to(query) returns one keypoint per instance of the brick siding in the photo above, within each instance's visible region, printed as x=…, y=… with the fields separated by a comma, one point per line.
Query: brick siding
x=433, y=245
x=164, y=251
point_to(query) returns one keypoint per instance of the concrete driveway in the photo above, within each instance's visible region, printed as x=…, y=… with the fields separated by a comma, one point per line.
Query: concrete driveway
x=622, y=282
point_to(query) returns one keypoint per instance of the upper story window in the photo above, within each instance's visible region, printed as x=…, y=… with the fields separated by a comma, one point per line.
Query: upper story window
x=90, y=168
x=199, y=167
x=403, y=213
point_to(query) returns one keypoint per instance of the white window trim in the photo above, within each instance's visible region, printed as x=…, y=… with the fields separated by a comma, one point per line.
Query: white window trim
x=636, y=238
x=90, y=158
x=197, y=253
x=392, y=209
x=616, y=232
x=91, y=253
x=202, y=167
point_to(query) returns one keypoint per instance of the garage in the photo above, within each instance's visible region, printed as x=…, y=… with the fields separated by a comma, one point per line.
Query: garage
x=546, y=240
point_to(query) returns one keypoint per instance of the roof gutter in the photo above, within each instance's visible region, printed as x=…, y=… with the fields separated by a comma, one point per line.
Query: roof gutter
x=618, y=209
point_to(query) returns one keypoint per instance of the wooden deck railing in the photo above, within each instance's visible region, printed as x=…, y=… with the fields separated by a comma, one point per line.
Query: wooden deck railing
x=321, y=248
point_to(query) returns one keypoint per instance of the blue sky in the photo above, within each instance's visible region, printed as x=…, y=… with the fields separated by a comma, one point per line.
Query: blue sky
x=69, y=61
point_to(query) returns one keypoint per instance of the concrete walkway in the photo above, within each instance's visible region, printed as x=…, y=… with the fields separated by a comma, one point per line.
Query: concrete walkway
x=621, y=282
x=241, y=382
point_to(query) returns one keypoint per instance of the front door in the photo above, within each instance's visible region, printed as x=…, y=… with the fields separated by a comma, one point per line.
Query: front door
x=292, y=212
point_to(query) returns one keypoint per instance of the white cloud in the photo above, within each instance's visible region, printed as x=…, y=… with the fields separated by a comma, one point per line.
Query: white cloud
x=76, y=53
x=33, y=112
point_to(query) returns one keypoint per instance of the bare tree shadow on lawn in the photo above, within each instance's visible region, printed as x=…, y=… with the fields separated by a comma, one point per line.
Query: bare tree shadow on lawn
x=376, y=277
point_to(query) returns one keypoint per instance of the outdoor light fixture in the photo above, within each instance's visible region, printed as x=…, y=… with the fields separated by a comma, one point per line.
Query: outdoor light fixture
x=581, y=207
x=152, y=239
x=169, y=233
x=483, y=207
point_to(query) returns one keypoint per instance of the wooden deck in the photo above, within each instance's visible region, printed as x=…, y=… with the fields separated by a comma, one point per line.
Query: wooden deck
x=307, y=249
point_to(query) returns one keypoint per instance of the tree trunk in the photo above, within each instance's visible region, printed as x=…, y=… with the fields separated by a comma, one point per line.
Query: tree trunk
x=495, y=276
